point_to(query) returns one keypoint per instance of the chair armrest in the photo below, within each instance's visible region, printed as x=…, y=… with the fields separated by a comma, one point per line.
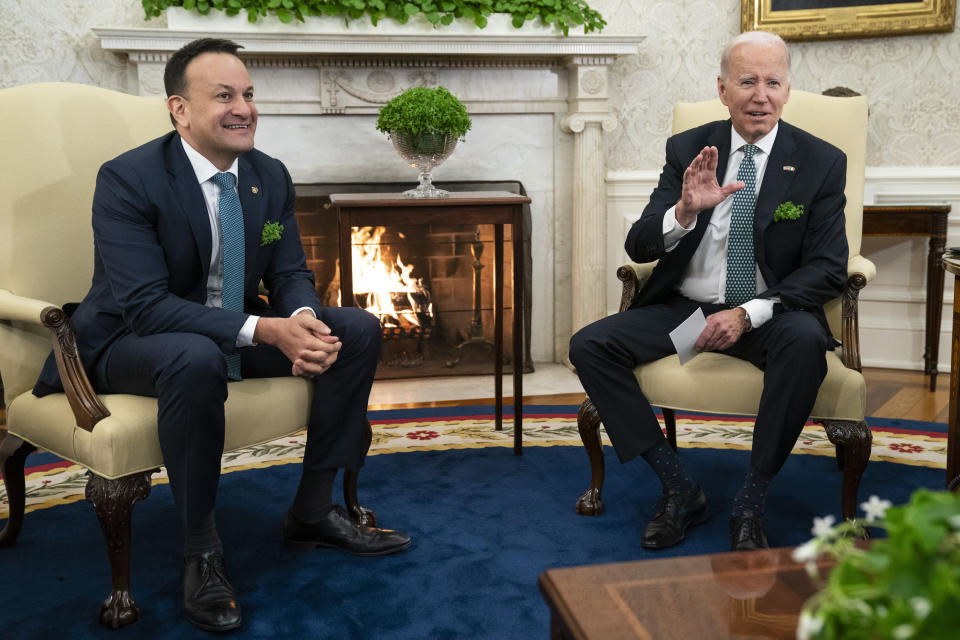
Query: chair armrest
x=633, y=276
x=860, y=271
x=21, y=309
x=87, y=407
x=859, y=264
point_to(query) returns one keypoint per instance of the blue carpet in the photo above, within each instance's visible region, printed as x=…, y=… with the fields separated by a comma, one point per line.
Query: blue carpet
x=485, y=525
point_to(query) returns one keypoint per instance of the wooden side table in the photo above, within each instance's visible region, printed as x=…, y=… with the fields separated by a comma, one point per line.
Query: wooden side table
x=928, y=221
x=466, y=207
x=953, y=429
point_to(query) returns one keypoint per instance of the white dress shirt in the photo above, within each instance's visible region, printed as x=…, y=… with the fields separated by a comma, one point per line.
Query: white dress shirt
x=705, y=279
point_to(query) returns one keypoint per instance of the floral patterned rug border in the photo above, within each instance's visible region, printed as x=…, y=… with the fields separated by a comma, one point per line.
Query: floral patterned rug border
x=64, y=482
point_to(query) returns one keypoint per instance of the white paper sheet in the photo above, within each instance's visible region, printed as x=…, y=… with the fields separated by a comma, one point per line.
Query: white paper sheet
x=685, y=336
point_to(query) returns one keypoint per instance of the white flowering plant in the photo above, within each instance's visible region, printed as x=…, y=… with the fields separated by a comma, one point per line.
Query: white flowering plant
x=904, y=586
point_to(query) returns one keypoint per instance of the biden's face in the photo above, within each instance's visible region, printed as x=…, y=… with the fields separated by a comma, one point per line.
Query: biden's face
x=756, y=88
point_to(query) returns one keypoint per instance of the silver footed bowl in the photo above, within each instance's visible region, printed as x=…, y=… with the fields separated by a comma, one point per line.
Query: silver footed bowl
x=424, y=151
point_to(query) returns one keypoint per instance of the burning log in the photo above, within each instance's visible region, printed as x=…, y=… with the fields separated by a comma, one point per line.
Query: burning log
x=409, y=314
x=387, y=289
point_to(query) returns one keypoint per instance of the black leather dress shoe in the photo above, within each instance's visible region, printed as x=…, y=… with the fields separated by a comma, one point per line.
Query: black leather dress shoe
x=208, y=598
x=676, y=512
x=746, y=532
x=337, y=531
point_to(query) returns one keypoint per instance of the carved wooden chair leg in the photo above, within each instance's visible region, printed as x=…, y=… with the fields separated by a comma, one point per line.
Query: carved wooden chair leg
x=670, y=422
x=13, y=456
x=853, y=441
x=113, y=501
x=840, y=460
x=588, y=424
x=358, y=513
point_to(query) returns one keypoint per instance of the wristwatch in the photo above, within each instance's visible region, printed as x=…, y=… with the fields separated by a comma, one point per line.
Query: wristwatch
x=746, y=316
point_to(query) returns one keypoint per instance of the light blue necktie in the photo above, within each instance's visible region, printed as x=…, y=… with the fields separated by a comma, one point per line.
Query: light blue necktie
x=741, y=265
x=232, y=250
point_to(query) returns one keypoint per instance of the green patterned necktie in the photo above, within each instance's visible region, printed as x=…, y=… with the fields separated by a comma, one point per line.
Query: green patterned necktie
x=741, y=265
x=232, y=250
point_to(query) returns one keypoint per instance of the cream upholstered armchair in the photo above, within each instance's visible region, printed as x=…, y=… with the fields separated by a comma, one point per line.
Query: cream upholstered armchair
x=55, y=138
x=717, y=383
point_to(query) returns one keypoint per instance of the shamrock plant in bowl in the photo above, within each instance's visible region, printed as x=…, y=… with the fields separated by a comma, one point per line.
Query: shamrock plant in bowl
x=424, y=125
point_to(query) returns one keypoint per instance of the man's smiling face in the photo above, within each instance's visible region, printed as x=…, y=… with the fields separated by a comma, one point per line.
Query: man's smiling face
x=217, y=116
x=756, y=88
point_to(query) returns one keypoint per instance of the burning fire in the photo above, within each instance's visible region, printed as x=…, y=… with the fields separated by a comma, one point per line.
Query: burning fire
x=387, y=289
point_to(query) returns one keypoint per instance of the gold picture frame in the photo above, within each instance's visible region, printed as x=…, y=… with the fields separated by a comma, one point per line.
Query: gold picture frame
x=836, y=19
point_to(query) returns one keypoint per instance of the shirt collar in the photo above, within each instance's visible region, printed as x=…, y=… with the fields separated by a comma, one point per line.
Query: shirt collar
x=765, y=143
x=203, y=168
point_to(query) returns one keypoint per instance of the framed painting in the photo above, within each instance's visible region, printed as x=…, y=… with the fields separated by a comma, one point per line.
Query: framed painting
x=833, y=19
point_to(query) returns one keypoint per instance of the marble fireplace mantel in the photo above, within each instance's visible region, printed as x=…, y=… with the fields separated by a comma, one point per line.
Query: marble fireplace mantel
x=539, y=102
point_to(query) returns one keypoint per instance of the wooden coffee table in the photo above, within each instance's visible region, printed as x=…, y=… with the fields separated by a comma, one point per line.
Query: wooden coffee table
x=756, y=594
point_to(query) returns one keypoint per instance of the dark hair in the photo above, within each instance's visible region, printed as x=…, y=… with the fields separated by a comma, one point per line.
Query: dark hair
x=175, y=73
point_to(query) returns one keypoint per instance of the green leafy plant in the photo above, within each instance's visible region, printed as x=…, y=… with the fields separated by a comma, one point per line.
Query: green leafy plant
x=562, y=14
x=425, y=112
x=272, y=232
x=904, y=586
x=788, y=211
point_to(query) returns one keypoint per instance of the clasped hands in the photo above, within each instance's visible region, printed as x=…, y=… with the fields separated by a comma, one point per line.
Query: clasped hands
x=306, y=341
x=701, y=191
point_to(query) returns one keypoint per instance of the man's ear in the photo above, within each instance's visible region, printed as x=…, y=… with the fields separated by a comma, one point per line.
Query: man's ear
x=178, y=109
x=721, y=90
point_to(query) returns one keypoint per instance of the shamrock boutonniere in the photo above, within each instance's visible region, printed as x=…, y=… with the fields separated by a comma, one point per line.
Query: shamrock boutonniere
x=272, y=231
x=788, y=211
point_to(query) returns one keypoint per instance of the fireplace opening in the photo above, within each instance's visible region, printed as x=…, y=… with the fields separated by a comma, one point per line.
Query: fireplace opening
x=431, y=286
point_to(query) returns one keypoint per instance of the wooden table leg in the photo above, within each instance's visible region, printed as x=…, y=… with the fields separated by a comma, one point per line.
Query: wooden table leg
x=518, y=268
x=934, y=307
x=953, y=430
x=498, y=322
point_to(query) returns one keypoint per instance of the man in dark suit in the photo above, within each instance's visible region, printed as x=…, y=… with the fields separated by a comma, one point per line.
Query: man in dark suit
x=760, y=255
x=186, y=227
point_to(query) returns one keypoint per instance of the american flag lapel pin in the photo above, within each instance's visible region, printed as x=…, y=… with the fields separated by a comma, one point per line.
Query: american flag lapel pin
x=255, y=190
x=789, y=167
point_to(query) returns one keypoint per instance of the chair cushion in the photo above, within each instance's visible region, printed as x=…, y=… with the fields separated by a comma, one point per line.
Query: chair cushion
x=126, y=442
x=718, y=383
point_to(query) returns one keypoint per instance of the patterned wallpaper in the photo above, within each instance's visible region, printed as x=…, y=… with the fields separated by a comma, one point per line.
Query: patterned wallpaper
x=43, y=41
x=912, y=83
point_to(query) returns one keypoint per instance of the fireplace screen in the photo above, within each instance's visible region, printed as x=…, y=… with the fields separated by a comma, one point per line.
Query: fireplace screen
x=431, y=286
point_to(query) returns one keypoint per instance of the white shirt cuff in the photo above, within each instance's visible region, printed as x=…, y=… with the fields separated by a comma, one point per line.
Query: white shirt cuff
x=245, y=337
x=673, y=232
x=310, y=309
x=760, y=310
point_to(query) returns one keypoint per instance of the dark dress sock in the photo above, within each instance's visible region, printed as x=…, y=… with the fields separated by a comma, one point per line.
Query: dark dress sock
x=202, y=537
x=666, y=464
x=314, y=495
x=753, y=493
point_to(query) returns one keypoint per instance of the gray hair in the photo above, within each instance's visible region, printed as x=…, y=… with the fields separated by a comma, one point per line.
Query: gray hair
x=754, y=37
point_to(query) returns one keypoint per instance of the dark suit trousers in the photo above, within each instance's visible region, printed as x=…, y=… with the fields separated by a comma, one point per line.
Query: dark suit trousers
x=790, y=348
x=187, y=374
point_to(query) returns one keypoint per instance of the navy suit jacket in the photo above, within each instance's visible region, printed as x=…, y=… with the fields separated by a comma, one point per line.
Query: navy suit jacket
x=803, y=261
x=152, y=248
